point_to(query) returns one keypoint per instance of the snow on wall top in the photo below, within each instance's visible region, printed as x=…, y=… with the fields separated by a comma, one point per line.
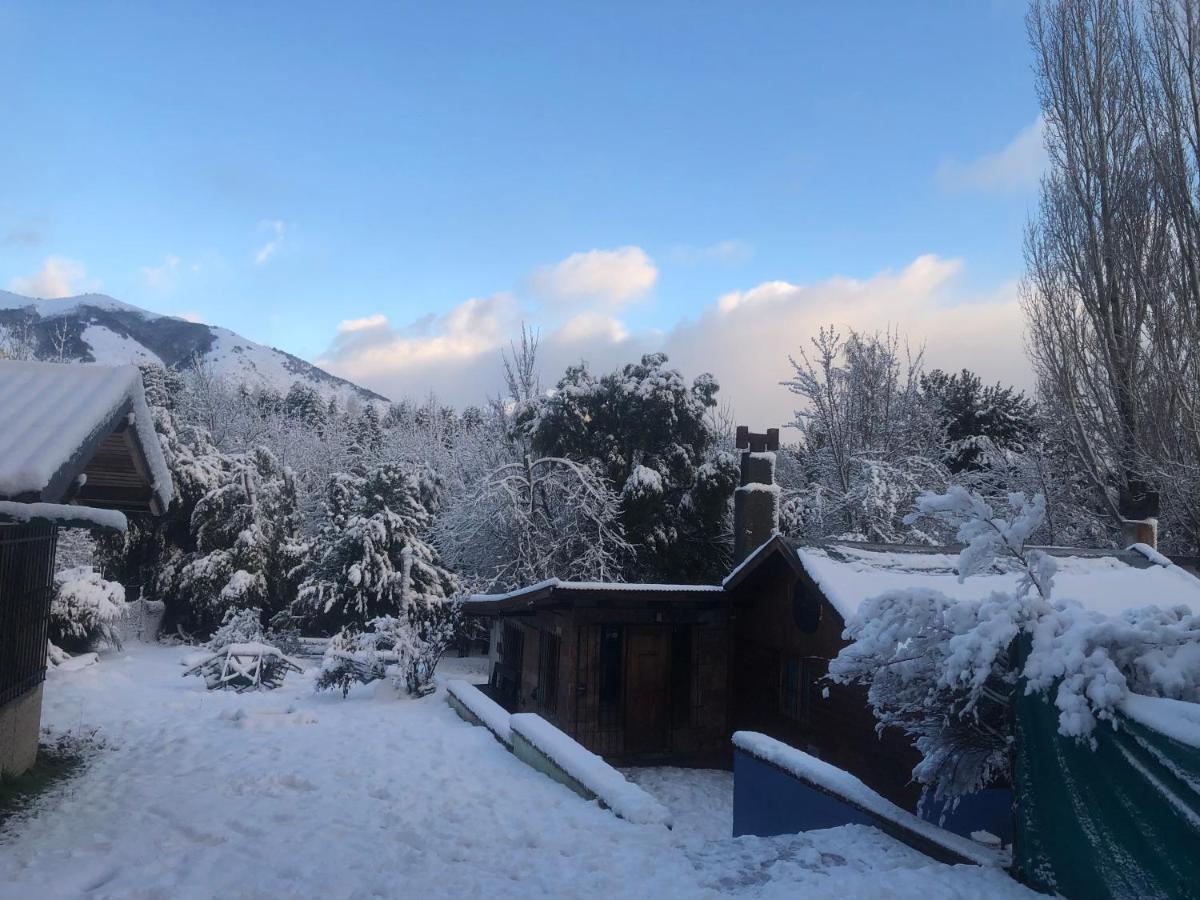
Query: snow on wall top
x=50, y=411
x=1108, y=584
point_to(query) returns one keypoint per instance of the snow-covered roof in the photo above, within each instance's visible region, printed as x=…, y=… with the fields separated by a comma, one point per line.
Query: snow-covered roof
x=545, y=590
x=54, y=418
x=1106, y=581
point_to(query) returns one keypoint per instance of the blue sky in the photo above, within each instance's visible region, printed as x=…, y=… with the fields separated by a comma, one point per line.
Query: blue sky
x=279, y=169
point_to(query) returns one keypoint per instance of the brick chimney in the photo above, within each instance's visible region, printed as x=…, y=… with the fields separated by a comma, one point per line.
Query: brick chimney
x=756, y=501
x=1139, y=508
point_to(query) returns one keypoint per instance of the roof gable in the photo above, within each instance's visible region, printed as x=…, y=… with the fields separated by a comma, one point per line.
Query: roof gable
x=61, y=421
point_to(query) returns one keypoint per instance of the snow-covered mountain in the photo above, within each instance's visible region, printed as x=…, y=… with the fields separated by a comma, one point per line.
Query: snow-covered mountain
x=99, y=328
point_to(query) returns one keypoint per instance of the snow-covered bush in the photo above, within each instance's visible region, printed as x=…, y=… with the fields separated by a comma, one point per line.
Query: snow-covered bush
x=85, y=608
x=239, y=626
x=405, y=648
x=944, y=670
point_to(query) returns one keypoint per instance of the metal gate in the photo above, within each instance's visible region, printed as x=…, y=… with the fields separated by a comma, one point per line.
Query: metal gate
x=26, y=586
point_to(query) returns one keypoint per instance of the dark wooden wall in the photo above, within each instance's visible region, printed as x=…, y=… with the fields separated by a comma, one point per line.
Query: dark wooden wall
x=697, y=731
x=766, y=629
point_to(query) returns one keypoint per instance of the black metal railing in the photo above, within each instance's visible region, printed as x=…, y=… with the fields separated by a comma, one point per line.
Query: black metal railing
x=26, y=586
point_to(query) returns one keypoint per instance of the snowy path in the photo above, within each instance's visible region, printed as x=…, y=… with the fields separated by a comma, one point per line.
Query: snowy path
x=202, y=794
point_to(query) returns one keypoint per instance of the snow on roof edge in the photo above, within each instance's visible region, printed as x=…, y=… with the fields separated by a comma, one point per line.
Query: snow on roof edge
x=557, y=584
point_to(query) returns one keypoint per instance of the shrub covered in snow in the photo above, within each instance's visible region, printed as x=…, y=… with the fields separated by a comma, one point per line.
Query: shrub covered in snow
x=239, y=626
x=405, y=647
x=86, y=608
x=944, y=670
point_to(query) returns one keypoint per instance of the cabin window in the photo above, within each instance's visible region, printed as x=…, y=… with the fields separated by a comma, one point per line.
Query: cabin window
x=681, y=675
x=798, y=677
x=547, y=690
x=806, y=608
x=612, y=658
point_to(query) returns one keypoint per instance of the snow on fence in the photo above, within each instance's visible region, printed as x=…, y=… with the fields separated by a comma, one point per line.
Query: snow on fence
x=541, y=745
x=838, y=798
x=479, y=709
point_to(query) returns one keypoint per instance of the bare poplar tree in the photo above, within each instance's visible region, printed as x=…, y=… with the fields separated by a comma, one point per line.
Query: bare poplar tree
x=1091, y=292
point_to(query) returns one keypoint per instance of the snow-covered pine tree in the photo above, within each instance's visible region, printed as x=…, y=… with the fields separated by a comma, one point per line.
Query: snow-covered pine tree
x=247, y=539
x=357, y=573
x=377, y=580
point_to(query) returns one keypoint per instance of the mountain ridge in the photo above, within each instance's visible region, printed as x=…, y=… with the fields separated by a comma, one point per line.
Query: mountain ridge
x=99, y=328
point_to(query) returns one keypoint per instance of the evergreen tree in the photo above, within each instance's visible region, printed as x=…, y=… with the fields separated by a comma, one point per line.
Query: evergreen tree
x=646, y=429
x=971, y=413
x=370, y=555
x=248, y=548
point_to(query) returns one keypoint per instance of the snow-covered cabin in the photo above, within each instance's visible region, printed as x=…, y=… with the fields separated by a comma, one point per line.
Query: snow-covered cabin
x=77, y=448
x=667, y=673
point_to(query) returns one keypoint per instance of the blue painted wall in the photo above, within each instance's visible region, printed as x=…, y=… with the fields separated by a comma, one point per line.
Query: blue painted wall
x=990, y=810
x=767, y=801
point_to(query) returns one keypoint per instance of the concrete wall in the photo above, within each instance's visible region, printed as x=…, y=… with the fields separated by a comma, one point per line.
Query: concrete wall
x=20, y=724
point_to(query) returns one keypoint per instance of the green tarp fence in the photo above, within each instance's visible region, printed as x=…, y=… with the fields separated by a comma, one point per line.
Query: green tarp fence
x=1122, y=820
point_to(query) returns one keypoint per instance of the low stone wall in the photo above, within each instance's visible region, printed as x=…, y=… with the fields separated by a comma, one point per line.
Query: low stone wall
x=20, y=725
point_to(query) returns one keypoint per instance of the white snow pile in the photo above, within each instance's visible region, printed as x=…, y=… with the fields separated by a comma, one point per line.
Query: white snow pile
x=385, y=799
x=86, y=605
x=1177, y=720
x=111, y=519
x=493, y=716
x=627, y=800
x=52, y=410
x=846, y=787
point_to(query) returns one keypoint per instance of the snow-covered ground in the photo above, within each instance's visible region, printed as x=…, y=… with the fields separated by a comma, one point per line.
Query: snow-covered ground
x=296, y=794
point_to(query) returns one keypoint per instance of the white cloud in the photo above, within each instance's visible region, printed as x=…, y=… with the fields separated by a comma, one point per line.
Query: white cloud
x=162, y=276
x=369, y=350
x=744, y=338
x=611, y=277
x=1019, y=164
x=591, y=326
x=58, y=277
x=276, y=228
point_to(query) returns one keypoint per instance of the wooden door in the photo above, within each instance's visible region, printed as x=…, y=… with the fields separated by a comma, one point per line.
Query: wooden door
x=647, y=690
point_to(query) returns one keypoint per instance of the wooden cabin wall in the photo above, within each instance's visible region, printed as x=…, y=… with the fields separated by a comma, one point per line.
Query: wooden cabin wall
x=697, y=724
x=533, y=628
x=765, y=634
